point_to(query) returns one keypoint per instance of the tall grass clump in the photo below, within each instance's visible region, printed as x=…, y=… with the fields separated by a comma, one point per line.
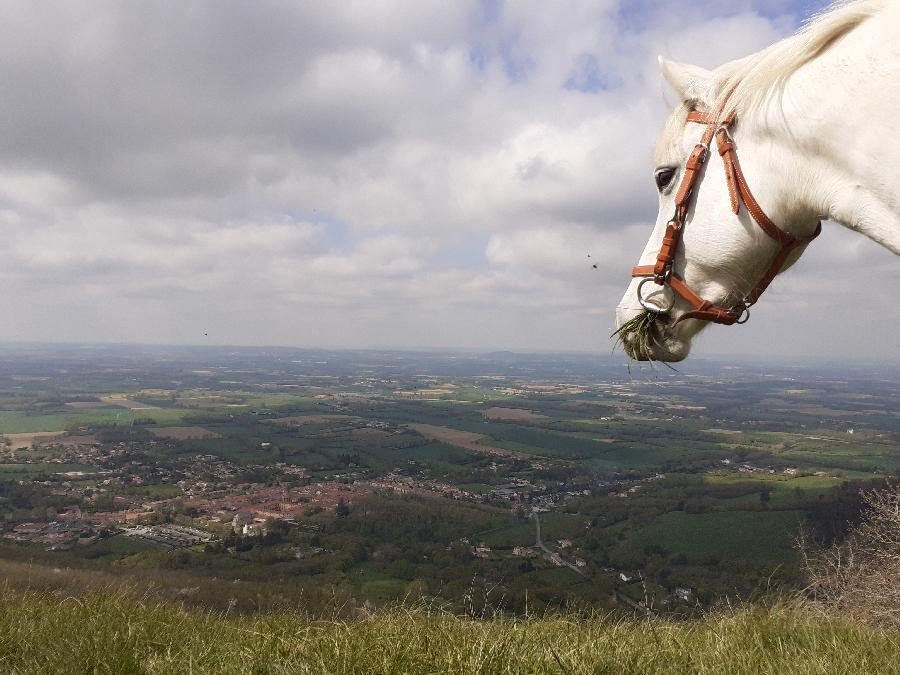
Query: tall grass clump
x=636, y=335
x=116, y=633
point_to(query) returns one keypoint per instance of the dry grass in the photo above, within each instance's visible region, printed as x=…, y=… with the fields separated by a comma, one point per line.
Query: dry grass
x=114, y=633
x=636, y=336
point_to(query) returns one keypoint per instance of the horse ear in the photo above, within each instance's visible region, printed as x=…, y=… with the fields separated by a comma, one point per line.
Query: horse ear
x=689, y=82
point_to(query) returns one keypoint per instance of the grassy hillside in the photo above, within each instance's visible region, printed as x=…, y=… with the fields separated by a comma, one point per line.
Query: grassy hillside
x=114, y=633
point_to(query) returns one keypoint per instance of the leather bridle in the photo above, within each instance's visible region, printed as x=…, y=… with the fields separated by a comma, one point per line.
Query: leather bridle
x=663, y=273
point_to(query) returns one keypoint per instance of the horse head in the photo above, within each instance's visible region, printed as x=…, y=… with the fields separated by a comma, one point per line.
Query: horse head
x=725, y=227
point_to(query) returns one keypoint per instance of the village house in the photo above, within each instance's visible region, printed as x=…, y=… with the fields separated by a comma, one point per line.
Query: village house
x=481, y=550
x=254, y=529
x=240, y=521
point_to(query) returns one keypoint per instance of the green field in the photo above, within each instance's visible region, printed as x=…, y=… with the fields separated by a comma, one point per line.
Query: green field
x=520, y=534
x=156, y=491
x=117, y=548
x=377, y=585
x=755, y=537
x=784, y=491
x=15, y=422
x=553, y=526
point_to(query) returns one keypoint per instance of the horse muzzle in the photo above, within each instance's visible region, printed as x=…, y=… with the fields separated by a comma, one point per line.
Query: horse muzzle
x=656, y=340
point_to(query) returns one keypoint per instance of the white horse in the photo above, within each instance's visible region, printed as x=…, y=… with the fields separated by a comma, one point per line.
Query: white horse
x=814, y=120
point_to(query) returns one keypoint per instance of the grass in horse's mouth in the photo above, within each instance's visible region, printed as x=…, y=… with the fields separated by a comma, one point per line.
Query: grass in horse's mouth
x=637, y=336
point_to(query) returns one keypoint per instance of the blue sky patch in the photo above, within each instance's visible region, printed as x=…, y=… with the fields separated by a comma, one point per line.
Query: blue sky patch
x=637, y=15
x=335, y=231
x=480, y=57
x=490, y=10
x=588, y=76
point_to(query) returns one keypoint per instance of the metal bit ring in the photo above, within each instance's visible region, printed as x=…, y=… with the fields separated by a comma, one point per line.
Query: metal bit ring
x=646, y=304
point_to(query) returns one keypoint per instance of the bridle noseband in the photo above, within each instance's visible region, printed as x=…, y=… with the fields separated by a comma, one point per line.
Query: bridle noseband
x=663, y=273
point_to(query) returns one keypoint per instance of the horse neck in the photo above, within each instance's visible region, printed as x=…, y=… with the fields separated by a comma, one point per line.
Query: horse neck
x=841, y=110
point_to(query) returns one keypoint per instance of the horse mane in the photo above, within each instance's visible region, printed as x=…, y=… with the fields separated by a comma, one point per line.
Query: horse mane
x=753, y=79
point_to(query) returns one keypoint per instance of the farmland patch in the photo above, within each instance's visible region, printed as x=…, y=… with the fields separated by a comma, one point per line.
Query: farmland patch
x=760, y=537
x=462, y=439
x=513, y=415
x=28, y=441
x=182, y=433
x=121, y=401
x=301, y=420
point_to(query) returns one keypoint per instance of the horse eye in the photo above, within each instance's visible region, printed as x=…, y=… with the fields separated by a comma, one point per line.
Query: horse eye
x=664, y=177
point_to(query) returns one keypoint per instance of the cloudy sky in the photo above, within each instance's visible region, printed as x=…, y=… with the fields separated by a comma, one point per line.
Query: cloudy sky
x=400, y=173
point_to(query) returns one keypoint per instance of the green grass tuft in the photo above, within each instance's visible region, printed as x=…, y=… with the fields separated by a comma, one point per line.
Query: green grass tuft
x=115, y=633
x=636, y=336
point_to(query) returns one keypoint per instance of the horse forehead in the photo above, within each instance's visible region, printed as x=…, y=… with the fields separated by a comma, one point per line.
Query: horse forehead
x=668, y=148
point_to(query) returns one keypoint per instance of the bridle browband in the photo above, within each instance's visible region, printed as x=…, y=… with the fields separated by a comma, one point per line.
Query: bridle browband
x=663, y=273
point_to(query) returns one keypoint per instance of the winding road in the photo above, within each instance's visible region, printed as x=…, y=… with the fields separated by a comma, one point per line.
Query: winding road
x=540, y=544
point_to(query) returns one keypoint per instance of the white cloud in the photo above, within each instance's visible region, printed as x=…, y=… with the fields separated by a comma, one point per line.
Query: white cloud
x=352, y=173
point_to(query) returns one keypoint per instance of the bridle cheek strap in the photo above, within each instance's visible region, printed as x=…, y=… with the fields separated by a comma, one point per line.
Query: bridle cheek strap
x=662, y=271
